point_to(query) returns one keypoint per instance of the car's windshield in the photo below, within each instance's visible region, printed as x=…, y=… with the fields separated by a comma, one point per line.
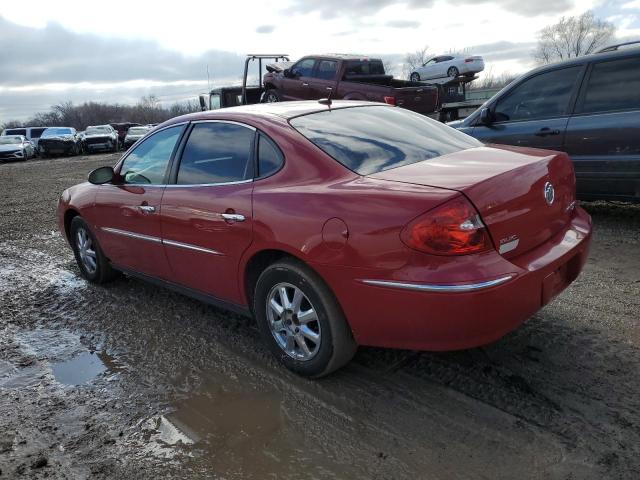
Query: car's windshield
x=371, y=139
x=94, y=130
x=137, y=130
x=53, y=132
x=10, y=140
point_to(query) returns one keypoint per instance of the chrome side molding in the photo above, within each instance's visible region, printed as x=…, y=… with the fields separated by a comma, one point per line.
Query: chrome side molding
x=422, y=287
x=171, y=243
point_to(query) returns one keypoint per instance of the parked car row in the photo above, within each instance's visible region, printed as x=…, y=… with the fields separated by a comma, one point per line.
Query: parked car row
x=28, y=142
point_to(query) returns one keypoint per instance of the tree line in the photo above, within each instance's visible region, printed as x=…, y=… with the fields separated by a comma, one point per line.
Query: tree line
x=66, y=114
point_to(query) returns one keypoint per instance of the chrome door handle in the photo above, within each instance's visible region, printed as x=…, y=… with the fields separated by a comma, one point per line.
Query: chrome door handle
x=305, y=84
x=329, y=88
x=234, y=217
x=147, y=208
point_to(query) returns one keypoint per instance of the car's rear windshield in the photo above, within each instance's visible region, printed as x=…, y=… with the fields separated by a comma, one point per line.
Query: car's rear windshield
x=94, y=130
x=372, y=139
x=138, y=130
x=364, y=67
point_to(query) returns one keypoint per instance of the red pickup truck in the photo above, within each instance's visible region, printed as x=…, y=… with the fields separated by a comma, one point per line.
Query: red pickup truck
x=346, y=77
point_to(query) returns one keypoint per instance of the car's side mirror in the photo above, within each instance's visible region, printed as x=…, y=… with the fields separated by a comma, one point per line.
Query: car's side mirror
x=486, y=117
x=287, y=73
x=102, y=175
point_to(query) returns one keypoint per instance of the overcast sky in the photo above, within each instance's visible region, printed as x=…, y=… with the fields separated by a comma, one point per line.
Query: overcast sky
x=116, y=50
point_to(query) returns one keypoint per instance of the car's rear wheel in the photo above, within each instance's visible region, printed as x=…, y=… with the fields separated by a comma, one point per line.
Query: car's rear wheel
x=453, y=72
x=415, y=77
x=301, y=321
x=271, y=96
x=93, y=264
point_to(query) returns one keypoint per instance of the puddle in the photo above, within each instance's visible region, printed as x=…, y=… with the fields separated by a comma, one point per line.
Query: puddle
x=57, y=352
x=80, y=369
x=242, y=432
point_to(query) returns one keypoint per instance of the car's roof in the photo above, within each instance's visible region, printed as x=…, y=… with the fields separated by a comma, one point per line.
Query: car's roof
x=285, y=110
x=99, y=126
x=14, y=136
x=342, y=56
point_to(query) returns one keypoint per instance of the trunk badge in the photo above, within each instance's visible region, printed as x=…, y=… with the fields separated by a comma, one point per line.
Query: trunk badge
x=549, y=193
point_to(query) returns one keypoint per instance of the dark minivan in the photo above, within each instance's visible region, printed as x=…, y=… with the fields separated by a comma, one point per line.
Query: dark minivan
x=588, y=107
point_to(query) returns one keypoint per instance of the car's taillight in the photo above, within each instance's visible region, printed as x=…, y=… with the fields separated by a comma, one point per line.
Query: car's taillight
x=454, y=228
x=468, y=60
x=390, y=100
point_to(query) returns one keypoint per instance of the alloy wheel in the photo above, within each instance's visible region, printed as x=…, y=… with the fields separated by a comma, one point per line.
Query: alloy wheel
x=86, y=251
x=293, y=321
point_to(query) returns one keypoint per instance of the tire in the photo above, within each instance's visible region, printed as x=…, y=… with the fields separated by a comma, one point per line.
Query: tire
x=271, y=96
x=453, y=72
x=415, y=77
x=335, y=346
x=102, y=272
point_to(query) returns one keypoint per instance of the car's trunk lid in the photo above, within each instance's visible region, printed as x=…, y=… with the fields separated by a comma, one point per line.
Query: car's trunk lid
x=507, y=185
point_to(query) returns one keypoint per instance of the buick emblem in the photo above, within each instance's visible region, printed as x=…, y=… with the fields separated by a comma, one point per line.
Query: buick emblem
x=549, y=193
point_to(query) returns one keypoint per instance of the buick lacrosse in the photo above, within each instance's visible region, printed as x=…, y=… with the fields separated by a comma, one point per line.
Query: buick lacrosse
x=336, y=225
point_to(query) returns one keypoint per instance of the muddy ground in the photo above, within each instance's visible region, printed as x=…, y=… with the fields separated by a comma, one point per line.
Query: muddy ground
x=132, y=381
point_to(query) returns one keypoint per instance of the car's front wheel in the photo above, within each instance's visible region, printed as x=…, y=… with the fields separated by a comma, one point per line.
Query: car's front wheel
x=301, y=321
x=271, y=96
x=93, y=264
x=415, y=77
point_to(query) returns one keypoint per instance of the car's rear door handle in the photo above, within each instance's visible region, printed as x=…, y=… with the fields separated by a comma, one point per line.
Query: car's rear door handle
x=305, y=84
x=233, y=217
x=543, y=132
x=147, y=208
x=329, y=88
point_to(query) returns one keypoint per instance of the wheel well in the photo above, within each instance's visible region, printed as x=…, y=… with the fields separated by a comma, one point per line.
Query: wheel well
x=256, y=265
x=269, y=86
x=69, y=215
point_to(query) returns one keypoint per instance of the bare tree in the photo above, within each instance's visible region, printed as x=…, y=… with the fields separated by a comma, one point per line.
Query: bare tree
x=572, y=37
x=414, y=60
x=489, y=80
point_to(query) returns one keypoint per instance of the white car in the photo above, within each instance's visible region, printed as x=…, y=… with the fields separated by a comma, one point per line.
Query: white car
x=447, y=66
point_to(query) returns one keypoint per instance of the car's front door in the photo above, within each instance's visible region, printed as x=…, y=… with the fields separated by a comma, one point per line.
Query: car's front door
x=128, y=212
x=535, y=112
x=207, y=210
x=429, y=69
x=602, y=136
x=296, y=85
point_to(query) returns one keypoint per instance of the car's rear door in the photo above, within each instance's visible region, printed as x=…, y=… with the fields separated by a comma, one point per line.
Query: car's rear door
x=535, y=112
x=602, y=136
x=207, y=209
x=128, y=213
x=322, y=82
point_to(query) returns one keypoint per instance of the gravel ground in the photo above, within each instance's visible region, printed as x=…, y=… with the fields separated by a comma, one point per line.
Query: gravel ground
x=134, y=381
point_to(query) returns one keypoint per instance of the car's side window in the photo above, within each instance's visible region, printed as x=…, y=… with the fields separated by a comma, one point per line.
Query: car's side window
x=326, y=69
x=147, y=163
x=544, y=96
x=303, y=68
x=270, y=158
x=217, y=152
x=613, y=85
x=433, y=61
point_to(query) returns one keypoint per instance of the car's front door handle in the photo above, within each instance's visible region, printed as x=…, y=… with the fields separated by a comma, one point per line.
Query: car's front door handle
x=233, y=217
x=147, y=208
x=305, y=84
x=543, y=132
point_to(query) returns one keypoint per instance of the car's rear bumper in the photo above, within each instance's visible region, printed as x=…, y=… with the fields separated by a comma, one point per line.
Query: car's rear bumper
x=436, y=313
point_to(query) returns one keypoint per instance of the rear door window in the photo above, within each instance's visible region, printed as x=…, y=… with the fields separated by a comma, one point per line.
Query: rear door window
x=546, y=95
x=326, y=69
x=613, y=85
x=372, y=139
x=217, y=152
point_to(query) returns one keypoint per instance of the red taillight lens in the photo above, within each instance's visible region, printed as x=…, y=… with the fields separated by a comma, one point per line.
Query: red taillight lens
x=454, y=228
x=390, y=100
x=468, y=60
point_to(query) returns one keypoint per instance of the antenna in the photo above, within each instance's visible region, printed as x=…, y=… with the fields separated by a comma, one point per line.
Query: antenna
x=208, y=80
x=327, y=101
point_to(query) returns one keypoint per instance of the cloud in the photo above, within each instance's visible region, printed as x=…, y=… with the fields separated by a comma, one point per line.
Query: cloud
x=501, y=51
x=54, y=54
x=363, y=8
x=402, y=24
x=265, y=29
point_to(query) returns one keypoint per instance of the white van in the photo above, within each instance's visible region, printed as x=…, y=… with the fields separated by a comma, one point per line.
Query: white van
x=31, y=133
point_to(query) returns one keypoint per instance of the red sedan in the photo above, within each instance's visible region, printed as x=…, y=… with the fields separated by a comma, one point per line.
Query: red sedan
x=336, y=226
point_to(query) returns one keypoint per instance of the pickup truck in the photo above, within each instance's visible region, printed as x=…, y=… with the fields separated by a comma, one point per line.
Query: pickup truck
x=346, y=77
